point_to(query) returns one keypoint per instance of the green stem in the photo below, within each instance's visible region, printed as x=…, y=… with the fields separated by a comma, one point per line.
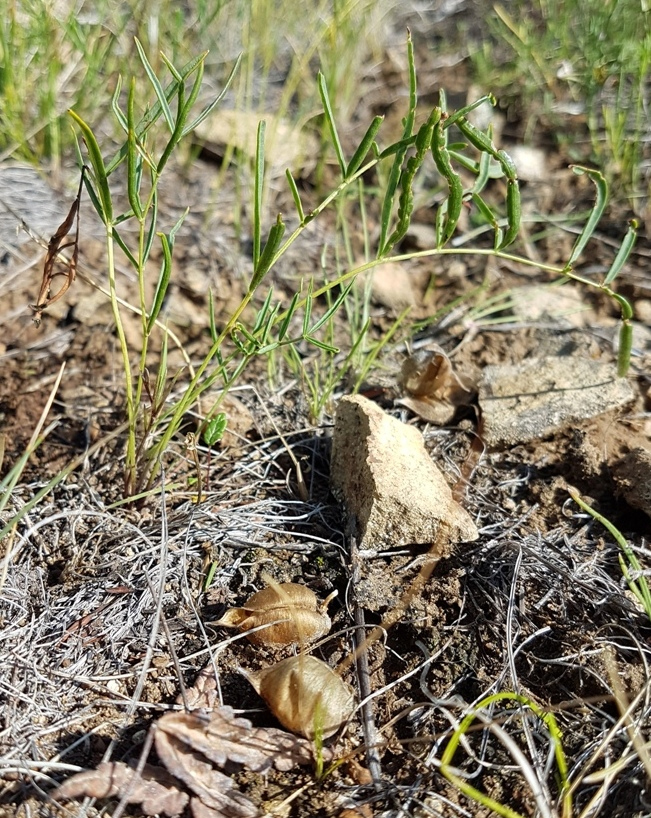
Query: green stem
x=130, y=466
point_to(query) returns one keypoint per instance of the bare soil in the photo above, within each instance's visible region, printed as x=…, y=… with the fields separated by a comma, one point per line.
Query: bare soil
x=102, y=610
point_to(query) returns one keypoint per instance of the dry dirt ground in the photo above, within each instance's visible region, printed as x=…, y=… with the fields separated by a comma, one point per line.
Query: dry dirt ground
x=103, y=615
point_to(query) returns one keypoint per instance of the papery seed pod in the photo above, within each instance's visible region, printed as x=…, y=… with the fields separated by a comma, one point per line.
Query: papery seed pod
x=298, y=616
x=305, y=695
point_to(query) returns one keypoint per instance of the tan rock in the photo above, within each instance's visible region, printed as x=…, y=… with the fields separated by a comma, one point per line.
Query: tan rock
x=384, y=476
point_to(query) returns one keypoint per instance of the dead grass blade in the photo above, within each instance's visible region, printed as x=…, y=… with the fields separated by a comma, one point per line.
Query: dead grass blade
x=45, y=299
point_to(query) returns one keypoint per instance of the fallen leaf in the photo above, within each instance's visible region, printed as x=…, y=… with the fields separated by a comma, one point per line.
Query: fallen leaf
x=223, y=738
x=191, y=746
x=214, y=789
x=434, y=389
x=155, y=789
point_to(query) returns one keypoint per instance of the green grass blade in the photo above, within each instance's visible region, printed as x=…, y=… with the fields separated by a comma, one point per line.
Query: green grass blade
x=641, y=587
x=595, y=214
x=214, y=335
x=257, y=191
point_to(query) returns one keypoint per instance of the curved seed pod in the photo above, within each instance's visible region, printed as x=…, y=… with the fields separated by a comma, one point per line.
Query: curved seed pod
x=293, y=612
x=305, y=695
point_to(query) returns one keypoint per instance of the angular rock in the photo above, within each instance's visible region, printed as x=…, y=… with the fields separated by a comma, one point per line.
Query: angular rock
x=384, y=476
x=539, y=396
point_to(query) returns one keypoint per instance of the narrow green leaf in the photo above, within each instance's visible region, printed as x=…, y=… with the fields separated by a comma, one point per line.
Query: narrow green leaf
x=364, y=146
x=307, y=315
x=325, y=99
x=163, y=282
x=478, y=139
x=210, y=108
x=465, y=161
x=595, y=214
x=284, y=326
x=322, y=345
x=401, y=144
x=99, y=170
x=172, y=69
x=181, y=116
x=151, y=231
x=263, y=338
x=463, y=112
x=115, y=105
x=161, y=375
x=125, y=249
x=484, y=170
x=295, y=196
x=485, y=210
x=257, y=191
x=332, y=309
x=269, y=251
x=158, y=89
x=261, y=317
x=623, y=253
x=133, y=158
x=214, y=335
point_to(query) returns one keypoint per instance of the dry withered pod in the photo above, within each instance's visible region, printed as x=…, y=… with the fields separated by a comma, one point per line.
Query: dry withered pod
x=298, y=615
x=305, y=695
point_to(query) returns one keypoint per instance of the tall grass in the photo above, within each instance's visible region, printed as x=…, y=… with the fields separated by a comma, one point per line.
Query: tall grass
x=586, y=60
x=56, y=56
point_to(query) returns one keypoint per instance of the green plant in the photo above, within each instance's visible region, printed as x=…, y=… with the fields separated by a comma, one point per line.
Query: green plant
x=592, y=57
x=631, y=568
x=260, y=325
x=491, y=723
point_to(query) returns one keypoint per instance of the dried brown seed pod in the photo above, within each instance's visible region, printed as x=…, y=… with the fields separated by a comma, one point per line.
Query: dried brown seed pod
x=297, y=615
x=305, y=695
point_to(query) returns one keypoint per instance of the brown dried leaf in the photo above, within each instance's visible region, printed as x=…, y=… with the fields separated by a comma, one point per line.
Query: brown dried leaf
x=223, y=738
x=44, y=299
x=434, y=389
x=156, y=790
x=203, y=695
x=215, y=790
x=305, y=694
x=293, y=613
